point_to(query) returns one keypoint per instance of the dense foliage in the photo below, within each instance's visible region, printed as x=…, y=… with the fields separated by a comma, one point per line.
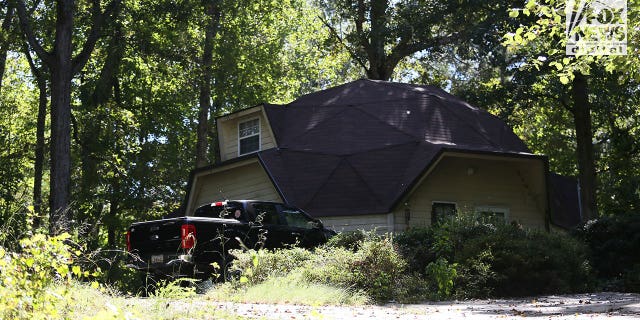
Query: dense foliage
x=462, y=258
x=35, y=280
x=615, y=242
x=374, y=267
x=497, y=260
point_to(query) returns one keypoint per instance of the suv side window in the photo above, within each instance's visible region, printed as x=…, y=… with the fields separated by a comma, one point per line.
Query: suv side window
x=266, y=213
x=296, y=218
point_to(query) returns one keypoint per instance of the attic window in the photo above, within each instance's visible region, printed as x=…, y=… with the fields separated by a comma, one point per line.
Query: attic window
x=248, y=136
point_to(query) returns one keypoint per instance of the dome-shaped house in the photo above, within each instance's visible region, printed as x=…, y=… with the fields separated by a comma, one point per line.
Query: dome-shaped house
x=375, y=154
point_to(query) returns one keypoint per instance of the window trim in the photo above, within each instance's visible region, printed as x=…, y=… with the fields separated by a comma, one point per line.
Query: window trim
x=496, y=209
x=455, y=204
x=259, y=134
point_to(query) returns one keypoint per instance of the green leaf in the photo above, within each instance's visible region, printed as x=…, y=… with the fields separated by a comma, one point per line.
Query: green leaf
x=514, y=13
x=564, y=79
x=76, y=270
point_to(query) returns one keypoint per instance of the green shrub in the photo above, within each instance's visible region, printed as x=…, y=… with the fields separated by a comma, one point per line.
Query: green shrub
x=27, y=278
x=352, y=239
x=422, y=246
x=443, y=275
x=523, y=262
x=476, y=277
x=375, y=268
x=416, y=245
x=256, y=266
x=614, y=243
x=488, y=260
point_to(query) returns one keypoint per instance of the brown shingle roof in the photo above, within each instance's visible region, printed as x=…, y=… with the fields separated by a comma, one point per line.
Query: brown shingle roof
x=359, y=147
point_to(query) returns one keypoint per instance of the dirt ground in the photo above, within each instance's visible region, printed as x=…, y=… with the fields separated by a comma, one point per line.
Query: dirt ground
x=581, y=306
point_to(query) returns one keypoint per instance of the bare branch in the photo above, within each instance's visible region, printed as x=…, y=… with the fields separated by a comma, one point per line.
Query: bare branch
x=45, y=56
x=34, y=69
x=351, y=52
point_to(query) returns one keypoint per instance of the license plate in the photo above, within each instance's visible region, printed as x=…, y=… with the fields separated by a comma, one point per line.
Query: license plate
x=157, y=258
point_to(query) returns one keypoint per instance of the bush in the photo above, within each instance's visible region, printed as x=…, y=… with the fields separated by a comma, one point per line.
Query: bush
x=28, y=278
x=352, y=239
x=471, y=259
x=256, y=266
x=375, y=267
x=416, y=246
x=614, y=243
x=524, y=262
x=443, y=275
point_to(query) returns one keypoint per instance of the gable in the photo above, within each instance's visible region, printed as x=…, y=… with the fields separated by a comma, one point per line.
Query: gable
x=230, y=136
x=245, y=179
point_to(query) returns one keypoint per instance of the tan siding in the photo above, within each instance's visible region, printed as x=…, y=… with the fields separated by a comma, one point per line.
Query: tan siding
x=244, y=182
x=515, y=184
x=228, y=131
x=352, y=223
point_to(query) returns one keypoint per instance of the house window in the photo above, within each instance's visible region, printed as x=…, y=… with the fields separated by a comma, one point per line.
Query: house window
x=441, y=211
x=493, y=215
x=249, y=136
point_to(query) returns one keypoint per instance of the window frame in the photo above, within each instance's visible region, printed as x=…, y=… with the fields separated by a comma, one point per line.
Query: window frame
x=495, y=209
x=259, y=134
x=455, y=205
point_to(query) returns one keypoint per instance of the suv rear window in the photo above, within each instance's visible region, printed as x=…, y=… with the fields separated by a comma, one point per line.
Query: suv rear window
x=227, y=211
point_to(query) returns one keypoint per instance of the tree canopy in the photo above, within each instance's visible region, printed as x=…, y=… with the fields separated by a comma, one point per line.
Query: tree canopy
x=106, y=106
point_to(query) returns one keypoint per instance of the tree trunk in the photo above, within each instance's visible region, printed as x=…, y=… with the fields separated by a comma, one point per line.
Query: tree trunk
x=39, y=160
x=38, y=166
x=4, y=42
x=584, y=136
x=375, y=45
x=61, y=75
x=212, y=8
x=62, y=67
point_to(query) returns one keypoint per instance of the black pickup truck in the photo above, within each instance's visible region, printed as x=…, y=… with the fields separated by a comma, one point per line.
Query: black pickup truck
x=196, y=246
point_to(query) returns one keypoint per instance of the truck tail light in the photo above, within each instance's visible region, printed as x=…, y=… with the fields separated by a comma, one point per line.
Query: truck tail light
x=188, y=236
x=128, y=241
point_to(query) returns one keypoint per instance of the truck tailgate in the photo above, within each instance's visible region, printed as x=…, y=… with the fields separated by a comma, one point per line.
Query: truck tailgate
x=158, y=236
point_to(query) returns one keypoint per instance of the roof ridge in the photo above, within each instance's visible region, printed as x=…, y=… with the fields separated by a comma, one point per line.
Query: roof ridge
x=370, y=189
x=324, y=183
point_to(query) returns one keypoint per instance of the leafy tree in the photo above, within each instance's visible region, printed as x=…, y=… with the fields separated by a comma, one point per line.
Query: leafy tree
x=212, y=10
x=541, y=44
x=379, y=34
x=63, y=65
x=5, y=35
x=17, y=128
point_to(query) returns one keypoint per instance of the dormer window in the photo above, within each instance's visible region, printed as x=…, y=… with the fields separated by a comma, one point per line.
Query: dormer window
x=248, y=136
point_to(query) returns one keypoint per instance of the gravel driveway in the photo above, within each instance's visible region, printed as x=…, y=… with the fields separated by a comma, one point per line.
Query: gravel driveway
x=581, y=306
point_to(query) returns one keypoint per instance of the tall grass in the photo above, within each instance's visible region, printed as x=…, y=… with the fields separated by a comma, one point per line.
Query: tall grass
x=290, y=289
